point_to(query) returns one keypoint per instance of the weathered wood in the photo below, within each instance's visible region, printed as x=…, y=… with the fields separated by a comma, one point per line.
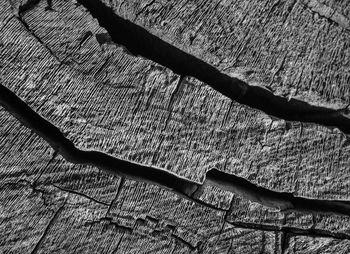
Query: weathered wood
x=288, y=45
x=316, y=245
x=132, y=122
x=66, y=67
x=136, y=210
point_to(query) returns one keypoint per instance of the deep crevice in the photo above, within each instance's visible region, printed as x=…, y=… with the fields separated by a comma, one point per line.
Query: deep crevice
x=140, y=42
x=163, y=178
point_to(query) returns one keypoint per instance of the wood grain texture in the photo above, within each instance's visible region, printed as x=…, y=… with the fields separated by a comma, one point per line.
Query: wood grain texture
x=64, y=65
x=127, y=113
x=314, y=245
x=80, y=202
x=284, y=45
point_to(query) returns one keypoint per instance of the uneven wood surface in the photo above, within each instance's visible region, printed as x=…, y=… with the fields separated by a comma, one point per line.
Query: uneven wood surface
x=64, y=65
x=289, y=46
x=98, y=210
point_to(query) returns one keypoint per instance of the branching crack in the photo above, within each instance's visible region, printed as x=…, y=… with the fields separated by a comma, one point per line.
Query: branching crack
x=139, y=41
x=163, y=178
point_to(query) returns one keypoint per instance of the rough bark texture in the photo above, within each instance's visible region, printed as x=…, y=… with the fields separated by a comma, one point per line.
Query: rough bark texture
x=169, y=134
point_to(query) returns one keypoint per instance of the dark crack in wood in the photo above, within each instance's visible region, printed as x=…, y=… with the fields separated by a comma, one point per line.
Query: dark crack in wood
x=184, y=187
x=140, y=42
x=51, y=222
x=79, y=194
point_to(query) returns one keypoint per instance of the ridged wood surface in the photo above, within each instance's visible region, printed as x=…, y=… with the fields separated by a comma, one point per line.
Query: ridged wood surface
x=58, y=59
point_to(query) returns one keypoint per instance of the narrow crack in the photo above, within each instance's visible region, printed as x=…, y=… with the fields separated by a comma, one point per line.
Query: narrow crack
x=43, y=170
x=144, y=8
x=184, y=187
x=110, y=221
x=41, y=192
x=184, y=242
x=139, y=41
x=132, y=229
x=48, y=227
x=120, y=186
x=29, y=30
x=80, y=194
x=185, y=64
x=66, y=148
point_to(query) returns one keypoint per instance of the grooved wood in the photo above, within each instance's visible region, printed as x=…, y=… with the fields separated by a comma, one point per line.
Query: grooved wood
x=59, y=60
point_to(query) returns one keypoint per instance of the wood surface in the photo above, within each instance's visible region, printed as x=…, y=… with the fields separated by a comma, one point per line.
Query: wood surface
x=64, y=64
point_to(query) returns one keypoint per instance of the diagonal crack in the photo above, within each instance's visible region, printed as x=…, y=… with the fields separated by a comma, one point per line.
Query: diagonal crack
x=48, y=227
x=139, y=41
x=144, y=8
x=26, y=26
x=163, y=178
x=80, y=194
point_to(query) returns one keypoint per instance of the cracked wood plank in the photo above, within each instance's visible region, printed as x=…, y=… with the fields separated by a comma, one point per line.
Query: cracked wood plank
x=185, y=64
x=134, y=203
x=277, y=44
x=117, y=126
x=168, y=180
x=141, y=152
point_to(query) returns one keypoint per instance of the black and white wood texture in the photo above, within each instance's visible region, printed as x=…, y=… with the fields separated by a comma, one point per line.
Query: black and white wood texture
x=163, y=126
